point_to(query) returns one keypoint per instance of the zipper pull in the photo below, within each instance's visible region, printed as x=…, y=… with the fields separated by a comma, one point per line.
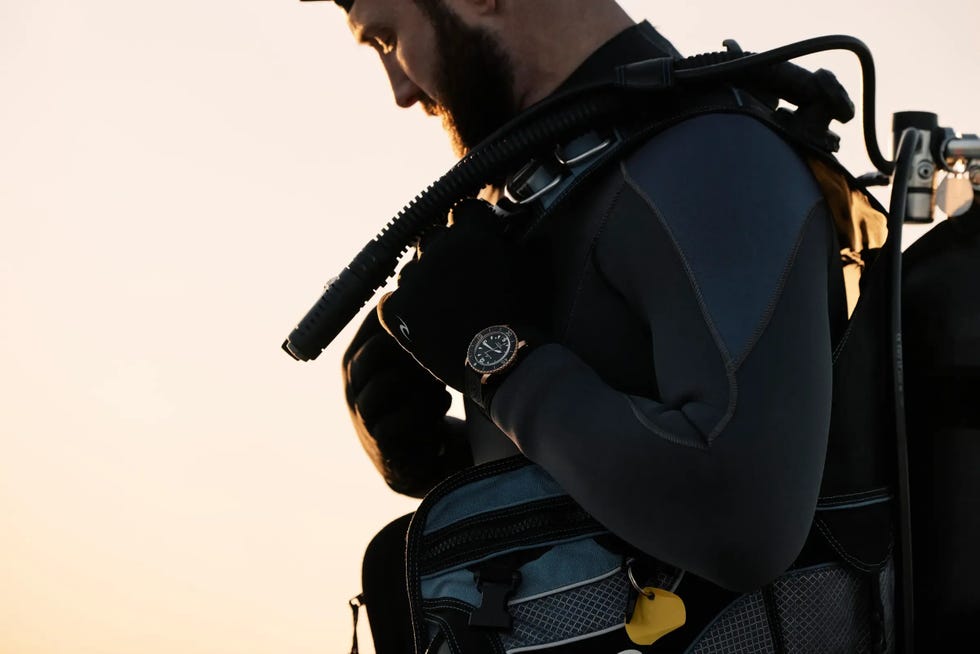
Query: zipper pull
x=355, y=604
x=496, y=583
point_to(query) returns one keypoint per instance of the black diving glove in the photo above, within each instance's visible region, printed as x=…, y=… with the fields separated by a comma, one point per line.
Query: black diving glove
x=399, y=413
x=467, y=277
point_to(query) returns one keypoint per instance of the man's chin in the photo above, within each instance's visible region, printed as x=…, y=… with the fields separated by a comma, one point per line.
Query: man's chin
x=449, y=125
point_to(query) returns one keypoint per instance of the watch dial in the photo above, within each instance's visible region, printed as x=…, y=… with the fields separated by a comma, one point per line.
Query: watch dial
x=491, y=349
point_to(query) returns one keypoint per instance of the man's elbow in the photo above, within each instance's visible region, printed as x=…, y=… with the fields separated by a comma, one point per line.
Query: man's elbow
x=746, y=569
x=747, y=558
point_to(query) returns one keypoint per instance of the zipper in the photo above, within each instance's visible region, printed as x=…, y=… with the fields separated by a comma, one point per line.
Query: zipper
x=525, y=526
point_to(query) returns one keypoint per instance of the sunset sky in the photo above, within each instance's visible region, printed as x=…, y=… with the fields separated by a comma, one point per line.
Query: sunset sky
x=177, y=181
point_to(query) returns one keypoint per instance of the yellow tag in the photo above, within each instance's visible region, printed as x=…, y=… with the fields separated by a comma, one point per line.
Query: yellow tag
x=655, y=616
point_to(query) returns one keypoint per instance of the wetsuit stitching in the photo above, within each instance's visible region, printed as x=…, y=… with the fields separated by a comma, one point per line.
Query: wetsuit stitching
x=588, y=257
x=850, y=323
x=662, y=433
x=847, y=335
x=780, y=287
x=876, y=492
x=839, y=548
x=713, y=330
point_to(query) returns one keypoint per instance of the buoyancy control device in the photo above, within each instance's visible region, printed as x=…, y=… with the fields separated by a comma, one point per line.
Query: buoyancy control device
x=925, y=321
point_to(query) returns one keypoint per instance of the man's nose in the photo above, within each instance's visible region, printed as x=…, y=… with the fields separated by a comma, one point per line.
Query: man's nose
x=406, y=92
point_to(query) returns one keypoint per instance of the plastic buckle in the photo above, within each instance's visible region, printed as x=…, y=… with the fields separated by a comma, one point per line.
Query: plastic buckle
x=496, y=586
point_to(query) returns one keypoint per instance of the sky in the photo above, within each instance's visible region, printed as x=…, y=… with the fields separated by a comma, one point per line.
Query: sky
x=177, y=181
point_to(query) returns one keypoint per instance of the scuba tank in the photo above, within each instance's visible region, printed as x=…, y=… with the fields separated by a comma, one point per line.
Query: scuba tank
x=941, y=328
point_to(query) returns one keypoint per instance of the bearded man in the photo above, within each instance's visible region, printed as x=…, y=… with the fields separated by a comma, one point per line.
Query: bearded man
x=659, y=343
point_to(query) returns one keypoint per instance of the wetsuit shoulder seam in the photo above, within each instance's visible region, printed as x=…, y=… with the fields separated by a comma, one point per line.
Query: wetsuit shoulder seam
x=688, y=270
x=778, y=290
x=610, y=208
x=702, y=306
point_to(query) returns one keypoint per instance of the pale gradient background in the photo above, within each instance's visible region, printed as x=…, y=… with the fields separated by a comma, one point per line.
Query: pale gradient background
x=177, y=179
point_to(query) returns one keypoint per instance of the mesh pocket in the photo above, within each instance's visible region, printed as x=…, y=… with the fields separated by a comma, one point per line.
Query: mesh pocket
x=886, y=580
x=822, y=610
x=743, y=627
x=589, y=609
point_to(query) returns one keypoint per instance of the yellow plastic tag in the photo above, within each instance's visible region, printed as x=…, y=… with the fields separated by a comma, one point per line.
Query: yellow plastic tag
x=655, y=616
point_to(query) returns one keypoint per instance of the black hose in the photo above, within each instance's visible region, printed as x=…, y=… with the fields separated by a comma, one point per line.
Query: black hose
x=907, y=146
x=801, y=49
x=538, y=127
x=374, y=264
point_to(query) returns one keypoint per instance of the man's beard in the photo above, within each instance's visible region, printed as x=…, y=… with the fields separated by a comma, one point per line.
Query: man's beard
x=475, y=80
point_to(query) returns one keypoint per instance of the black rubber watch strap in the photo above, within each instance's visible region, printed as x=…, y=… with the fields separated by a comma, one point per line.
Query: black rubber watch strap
x=475, y=387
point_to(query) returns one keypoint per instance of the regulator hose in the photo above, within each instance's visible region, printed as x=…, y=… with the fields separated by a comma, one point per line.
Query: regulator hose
x=548, y=122
x=375, y=263
x=801, y=49
x=908, y=143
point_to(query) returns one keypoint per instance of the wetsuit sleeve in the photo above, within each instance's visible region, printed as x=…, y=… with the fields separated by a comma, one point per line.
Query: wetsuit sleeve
x=719, y=242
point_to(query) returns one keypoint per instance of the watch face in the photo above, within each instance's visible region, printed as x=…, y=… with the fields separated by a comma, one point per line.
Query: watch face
x=492, y=349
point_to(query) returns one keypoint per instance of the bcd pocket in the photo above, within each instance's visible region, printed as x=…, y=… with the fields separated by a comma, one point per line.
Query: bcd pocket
x=500, y=559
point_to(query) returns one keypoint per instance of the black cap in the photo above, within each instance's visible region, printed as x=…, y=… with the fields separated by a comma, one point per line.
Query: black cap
x=346, y=4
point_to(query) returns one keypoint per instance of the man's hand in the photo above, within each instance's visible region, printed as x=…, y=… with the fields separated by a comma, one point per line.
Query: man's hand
x=467, y=277
x=399, y=413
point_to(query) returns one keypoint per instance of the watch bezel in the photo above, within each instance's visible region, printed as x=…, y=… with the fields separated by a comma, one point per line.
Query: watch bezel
x=480, y=337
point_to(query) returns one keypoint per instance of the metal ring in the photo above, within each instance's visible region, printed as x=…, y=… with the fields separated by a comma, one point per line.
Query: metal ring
x=629, y=574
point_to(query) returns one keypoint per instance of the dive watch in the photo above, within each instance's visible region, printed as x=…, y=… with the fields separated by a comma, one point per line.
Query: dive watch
x=491, y=352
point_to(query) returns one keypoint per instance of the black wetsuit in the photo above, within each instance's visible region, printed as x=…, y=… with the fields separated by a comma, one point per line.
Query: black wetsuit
x=686, y=403
x=693, y=291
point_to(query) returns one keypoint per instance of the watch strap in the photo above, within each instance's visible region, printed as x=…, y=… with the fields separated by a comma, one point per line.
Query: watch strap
x=481, y=387
x=475, y=388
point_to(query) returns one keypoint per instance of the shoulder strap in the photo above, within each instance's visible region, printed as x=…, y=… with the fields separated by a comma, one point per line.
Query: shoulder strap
x=539, y=187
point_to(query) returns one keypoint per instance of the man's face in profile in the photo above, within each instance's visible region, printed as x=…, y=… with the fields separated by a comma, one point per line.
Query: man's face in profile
x=453, y=69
